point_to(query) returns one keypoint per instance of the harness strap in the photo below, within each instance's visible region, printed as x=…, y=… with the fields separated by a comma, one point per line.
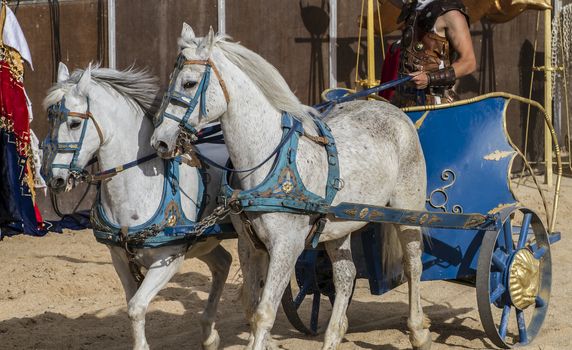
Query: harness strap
x=216, y=72
x=249, y=230
x=285, y=139
x=326, y=106
x=87, y=115
x=320, y=140
x=109, y=173
x=221, y=81
x=313, y=237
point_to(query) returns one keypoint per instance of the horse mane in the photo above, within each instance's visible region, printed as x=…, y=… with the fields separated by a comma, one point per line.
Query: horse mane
x=138, y=86
x=264, y=75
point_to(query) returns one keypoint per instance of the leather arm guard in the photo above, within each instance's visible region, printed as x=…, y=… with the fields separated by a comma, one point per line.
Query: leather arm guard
x=444, y=77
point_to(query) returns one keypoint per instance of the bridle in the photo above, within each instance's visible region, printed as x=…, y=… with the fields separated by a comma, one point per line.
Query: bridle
x=58, y=114
x=188, y=133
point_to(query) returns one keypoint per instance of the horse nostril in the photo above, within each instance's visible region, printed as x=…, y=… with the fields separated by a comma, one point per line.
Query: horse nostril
x=162, y=147
x=58, y=183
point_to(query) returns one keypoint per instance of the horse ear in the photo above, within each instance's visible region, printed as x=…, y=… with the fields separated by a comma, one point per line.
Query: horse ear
x=187, y=33
x=63, y=72
x=84, y=81
x=208, y=42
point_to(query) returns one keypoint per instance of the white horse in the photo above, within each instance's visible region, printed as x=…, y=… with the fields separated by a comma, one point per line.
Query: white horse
x=380, y=162
x=115, y=104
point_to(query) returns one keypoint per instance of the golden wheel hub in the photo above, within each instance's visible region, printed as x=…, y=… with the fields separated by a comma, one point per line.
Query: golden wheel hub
x=524, y=279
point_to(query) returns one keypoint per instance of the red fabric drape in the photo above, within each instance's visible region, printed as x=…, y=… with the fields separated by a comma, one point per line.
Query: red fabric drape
x=390, y=69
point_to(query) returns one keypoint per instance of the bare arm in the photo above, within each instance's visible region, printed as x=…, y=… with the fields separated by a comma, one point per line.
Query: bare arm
x=453, y=24
x=457, y=31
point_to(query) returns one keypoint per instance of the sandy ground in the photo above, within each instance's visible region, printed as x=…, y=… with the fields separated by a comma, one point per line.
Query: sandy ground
x=61, y=292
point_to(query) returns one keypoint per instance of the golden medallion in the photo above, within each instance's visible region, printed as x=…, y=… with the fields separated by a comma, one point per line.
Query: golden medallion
x=171, y=220
x=287, y=187
x=524, y=279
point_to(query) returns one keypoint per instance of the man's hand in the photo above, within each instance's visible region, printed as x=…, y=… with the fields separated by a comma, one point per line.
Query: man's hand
x=420, y=80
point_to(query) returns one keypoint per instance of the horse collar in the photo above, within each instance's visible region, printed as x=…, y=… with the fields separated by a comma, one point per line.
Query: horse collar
x=164, y=227
x=283, y=190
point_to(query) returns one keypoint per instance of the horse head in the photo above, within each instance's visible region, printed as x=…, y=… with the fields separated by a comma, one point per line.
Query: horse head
x=196, y=95
x=74, y=135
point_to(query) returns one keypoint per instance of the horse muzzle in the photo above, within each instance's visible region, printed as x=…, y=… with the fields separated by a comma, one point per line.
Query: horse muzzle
x=58, y=184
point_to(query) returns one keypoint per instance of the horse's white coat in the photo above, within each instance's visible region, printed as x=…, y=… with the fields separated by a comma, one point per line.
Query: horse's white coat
x=132, y=197
x=381, y=163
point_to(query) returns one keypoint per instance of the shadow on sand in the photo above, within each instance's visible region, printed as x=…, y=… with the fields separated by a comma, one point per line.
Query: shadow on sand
x=109, y=328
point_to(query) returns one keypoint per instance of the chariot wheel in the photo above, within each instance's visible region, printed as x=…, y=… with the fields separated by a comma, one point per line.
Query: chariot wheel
x=310, y=290
x=514, y=278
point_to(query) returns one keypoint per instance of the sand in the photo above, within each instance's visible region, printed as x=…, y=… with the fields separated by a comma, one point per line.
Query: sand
x=61, y=292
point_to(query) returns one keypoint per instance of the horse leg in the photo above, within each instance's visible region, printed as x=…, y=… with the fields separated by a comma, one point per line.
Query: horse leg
x=218, y=260
x=283, y=250
x=160, y=272
x=344, y=271
x=121, y=264
x=254, y=265
x=418, y=324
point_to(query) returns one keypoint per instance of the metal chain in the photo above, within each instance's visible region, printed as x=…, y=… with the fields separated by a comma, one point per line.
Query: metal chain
x=218, y=214
x=137, y=238
x=141, y=236
x=561, y=43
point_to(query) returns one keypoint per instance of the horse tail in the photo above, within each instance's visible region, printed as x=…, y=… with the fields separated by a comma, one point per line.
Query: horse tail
x=391, y=253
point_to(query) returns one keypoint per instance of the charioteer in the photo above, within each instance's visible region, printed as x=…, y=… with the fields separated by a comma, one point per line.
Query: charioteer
x=436, y=49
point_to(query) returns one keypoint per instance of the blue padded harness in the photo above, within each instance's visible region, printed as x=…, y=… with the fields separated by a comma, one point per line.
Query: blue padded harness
x=168, y=225
x=283, y=190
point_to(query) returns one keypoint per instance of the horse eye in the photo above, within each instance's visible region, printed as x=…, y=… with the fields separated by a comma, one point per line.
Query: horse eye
x=190, y=84
x=75, y=124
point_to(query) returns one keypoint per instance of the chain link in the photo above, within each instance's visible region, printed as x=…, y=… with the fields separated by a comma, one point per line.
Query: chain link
x=218, y=214
x=561, y=45
x=141, y=236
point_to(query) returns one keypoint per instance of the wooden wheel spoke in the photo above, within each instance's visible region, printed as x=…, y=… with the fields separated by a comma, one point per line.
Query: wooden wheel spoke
x=523, y=235
x=497, y=293
x=523, y=337
x=523, y=232
x=539, y=252
x=498, y=260
x=507, y=230
x=504, y=321
x=315, y=312
x=300, y=296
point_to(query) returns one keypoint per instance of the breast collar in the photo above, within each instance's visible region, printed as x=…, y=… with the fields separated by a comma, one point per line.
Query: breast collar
x=283, y=190
x=163, y=224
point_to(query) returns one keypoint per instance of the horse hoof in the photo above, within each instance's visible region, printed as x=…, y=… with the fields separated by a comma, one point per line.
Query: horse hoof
x=272, y=345
x=213, y=342
x=425, y=346
x=421, y=340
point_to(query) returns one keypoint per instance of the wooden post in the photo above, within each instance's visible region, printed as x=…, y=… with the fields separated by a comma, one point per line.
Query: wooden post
x=371, y=82
x=548, y=94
